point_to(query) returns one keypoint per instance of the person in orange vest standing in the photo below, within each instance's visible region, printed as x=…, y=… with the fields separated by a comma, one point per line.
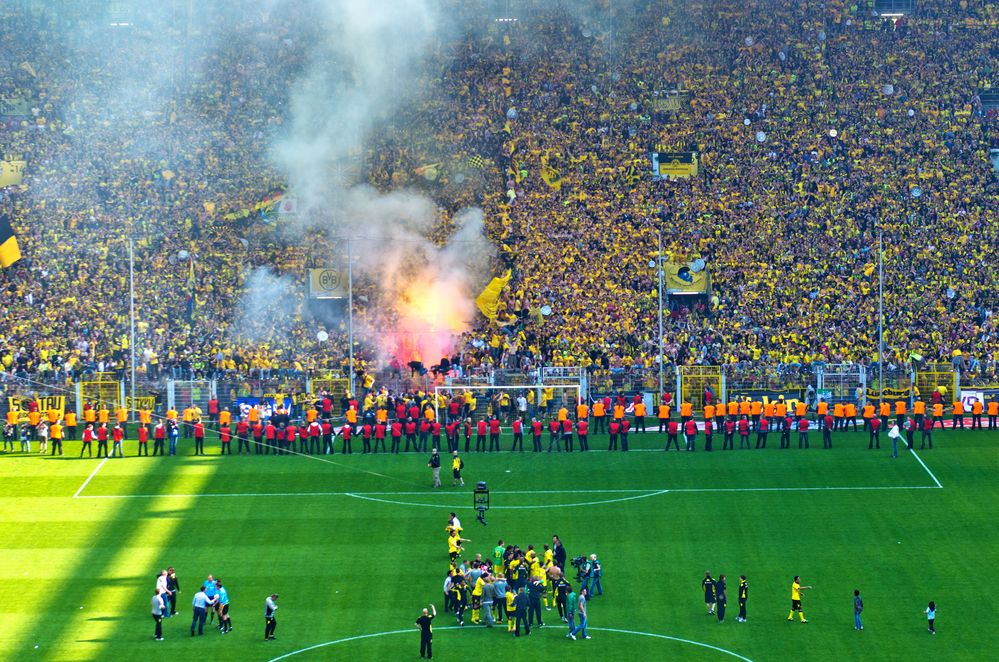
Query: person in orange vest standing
x=957, y=414
x=55, y=433
x=993, y=412
x=104, y=416
x=976, y=414
x=599, y=417
x=756, y=411
x=918, y=411
x=663, y=416
x=746, y=408
x=821, y=409
x=733, y=409
x=868, y=415
x=187, y=418
x=686, y=412
x=640, y=416
x=34, y=420
x=121, y=416
x=90, y=417
x=851, y=416
x=938, y=414
x=618, y=411
x=900, y=411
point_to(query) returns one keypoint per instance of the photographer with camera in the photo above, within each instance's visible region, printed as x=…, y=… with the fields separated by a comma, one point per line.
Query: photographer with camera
x=595, y=588
x=579, y=563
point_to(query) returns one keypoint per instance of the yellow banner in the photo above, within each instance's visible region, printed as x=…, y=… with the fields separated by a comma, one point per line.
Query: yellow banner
x=681, y=280
x=45, y=403
x=488, y=301
x=11, y=173
x=141, y=402
x=890, y=394
x=671, y=101
x=674, y=164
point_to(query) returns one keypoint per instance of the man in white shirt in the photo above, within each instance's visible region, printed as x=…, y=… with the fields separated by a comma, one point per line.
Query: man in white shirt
x=161, y=588
x=200, y=603
x=894, y=434
x=158, y=607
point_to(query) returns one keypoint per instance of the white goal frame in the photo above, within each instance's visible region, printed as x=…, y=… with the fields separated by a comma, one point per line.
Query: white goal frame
x=537, y=388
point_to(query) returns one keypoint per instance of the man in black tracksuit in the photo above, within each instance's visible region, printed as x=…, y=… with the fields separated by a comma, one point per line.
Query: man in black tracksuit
x=534, y=590
x=743, y=596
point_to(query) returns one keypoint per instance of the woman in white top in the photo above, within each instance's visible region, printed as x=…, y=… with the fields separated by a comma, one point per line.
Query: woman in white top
x=43, y=437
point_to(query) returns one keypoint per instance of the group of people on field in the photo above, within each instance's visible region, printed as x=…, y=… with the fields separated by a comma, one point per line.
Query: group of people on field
x=408, y=422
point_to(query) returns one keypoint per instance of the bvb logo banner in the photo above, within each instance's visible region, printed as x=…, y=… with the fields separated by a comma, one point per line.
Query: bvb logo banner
x=327, y=283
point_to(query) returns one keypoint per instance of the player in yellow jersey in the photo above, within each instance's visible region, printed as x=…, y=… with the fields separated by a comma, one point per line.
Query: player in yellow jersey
x=796, y=589
x=457, y=464
x=511, y=611
x=454, y=547
x=477, y=597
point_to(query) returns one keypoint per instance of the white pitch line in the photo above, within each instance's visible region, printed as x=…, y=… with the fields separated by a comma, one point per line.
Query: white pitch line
x=844, y=488
x=666, y=636
x=90, y=478
x=373, y=635
x=923, y=464
x=639, y=493
x=535, y=506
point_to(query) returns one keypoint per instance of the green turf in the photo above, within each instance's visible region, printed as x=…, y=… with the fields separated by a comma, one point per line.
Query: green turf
x=365, y=549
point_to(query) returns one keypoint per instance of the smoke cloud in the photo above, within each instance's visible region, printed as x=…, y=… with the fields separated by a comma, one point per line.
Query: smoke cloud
x=360, y=74
x=268, y=305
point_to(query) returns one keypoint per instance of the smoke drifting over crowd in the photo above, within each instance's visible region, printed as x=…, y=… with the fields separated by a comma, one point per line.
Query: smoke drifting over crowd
x=357, y=79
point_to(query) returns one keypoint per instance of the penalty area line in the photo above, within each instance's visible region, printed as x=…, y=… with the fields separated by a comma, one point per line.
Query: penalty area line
x=634, y=493
x=923, y=465
x=90, y=478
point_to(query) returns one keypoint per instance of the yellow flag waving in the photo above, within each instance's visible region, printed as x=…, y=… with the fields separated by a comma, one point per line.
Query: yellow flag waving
x=488, y=301
x=550, y=176
x=10, y=252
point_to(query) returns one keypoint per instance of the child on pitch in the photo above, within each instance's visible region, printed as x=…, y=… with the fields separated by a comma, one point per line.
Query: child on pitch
x=931, y=616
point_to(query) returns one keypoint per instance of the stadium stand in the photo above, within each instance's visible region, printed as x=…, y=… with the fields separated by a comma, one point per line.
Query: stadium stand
x=784, y=212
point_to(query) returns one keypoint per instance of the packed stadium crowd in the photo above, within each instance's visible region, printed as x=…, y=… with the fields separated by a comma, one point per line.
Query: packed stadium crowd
x=806, y=151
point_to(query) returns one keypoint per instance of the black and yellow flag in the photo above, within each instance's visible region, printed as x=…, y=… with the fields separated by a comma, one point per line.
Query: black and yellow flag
x=10, y=252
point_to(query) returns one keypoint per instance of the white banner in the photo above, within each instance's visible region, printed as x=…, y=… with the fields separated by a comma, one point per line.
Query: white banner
x=969, y=397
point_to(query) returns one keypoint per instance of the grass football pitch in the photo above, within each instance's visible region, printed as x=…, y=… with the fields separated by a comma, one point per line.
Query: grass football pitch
x=355, y=546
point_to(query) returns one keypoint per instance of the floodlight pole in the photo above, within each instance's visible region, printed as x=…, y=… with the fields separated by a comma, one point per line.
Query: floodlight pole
x=881, y=319
x=350, y=318
x=131, y=307
x=659, y=276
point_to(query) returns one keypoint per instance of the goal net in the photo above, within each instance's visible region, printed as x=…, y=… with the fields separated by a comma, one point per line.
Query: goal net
x=480, y=401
